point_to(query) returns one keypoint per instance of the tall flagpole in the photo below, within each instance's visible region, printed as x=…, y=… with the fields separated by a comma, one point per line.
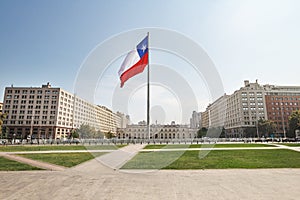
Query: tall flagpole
x=148, y=90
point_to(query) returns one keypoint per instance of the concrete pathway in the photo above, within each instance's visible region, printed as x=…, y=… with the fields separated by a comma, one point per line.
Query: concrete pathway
x=35, y=163
x=93, y=183
x=114, y=159
x=118, y=158
x=94, y=180
x=287, y=147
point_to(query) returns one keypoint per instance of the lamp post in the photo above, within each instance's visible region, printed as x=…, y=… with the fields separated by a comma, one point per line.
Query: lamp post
x=257, y=133
x=14, y=138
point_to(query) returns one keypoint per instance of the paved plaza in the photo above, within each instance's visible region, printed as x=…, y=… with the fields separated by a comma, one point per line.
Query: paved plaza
x=94, y=180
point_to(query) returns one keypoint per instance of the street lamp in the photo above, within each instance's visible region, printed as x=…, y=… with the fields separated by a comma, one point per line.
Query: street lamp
x=257, y=133
x=14, y=138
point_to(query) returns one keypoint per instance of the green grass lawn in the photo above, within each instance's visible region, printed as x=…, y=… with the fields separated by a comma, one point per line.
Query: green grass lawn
x=221, y=159
x=63, y=159
x=175, y=146
x=10, y=165
x=58, y=147
x=291, y=144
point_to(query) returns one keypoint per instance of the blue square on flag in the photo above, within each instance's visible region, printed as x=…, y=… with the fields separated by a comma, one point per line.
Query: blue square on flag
x=142, y=47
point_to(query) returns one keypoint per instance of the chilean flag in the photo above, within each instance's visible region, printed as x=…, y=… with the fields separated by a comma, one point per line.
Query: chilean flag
x=135, y=61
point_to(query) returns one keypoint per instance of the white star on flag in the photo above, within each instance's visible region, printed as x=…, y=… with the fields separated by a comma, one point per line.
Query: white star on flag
x=144, y=48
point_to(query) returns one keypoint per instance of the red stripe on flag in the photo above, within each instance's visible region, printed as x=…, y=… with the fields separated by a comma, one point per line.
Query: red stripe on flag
x=135, y=69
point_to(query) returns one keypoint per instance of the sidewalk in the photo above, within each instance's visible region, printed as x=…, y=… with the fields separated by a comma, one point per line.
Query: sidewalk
x=118, y=158
x=35, y=163
x=287, y=147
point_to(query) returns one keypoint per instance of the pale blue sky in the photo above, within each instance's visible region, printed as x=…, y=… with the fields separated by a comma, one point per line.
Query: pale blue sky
x=253, y=39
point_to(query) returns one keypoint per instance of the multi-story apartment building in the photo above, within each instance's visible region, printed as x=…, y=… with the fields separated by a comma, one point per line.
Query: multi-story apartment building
x=157, y=131
x=244, y=108
x=122, y=120
x=281, y=101
x=205, y=118
x=195, y=121
x=47, y=112
x=217, y=111
x=249, y=104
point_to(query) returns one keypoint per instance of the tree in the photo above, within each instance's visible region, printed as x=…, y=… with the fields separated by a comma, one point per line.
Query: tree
x=223, y=133
x=86, y=131
x=266, y=127
x=109, y=135
x=250, y=132
x=201, y=132
x=74, y=133
x=2, y=117
x=5, y=131
x=99, y=134
x=294, y=123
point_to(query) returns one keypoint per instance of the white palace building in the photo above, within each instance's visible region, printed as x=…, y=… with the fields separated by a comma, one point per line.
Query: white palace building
x=157, y=131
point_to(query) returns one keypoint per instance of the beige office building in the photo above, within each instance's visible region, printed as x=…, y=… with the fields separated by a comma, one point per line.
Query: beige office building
x=205, y=118
x=252, y=102
x=47, y=112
